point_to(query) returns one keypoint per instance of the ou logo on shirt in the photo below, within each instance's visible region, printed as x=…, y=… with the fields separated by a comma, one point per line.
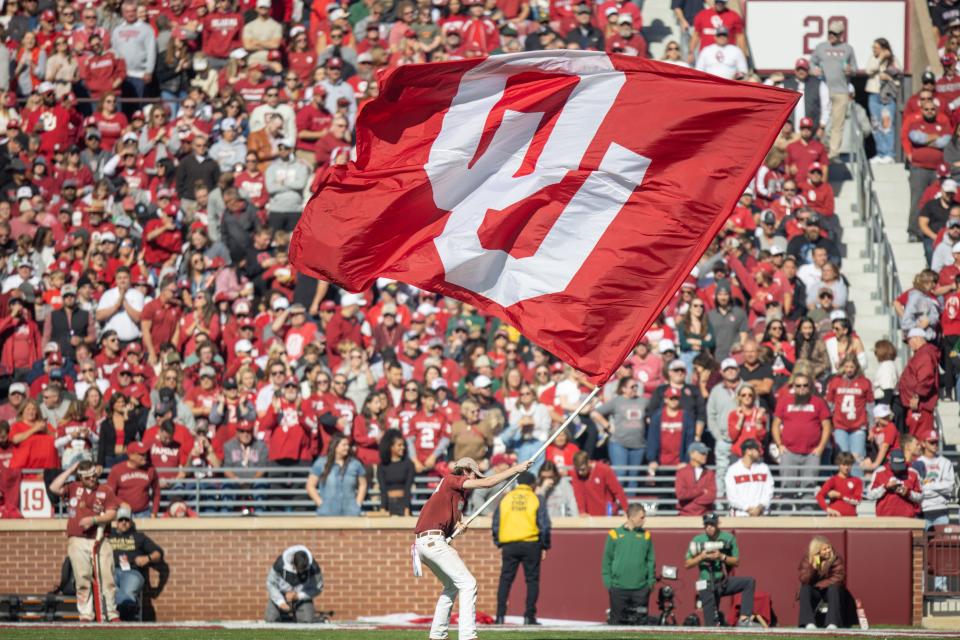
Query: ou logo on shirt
x=470, y=186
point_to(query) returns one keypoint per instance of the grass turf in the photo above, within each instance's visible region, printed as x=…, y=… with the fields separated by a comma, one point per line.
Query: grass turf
x=340, y=634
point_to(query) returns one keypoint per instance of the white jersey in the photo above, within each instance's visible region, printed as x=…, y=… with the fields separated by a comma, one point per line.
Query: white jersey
x=748, y=487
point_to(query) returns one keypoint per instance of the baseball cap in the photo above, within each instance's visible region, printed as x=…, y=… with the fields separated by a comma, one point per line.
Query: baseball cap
x=348, y=299
x=801, y=63
x=229, y=383
x=750, y=443
x=482, y=361
x=482, y=382
x=806, y=123
x=711, y=518
x=68, y=290
x=729, y=363
x=928, y=78
x=208, y=372
x=720, y=31
x=291, y=382
x=836, y=27
x=289, y=143
x=243, y=346
x=467, y=463
x=898, y=463
x=671, y=392
x=837, y=314
x=949, y=186
x=245, y=425
x=328, y=305
x=124, y=512
x=137, y=447
x=45, y=87
x=666, y=344
x=917, y=332
x=777, y=250
x=677, y=364
x=365, y=57
x=439, y=383
x=334, y=63
x=698, y=447
x=18, y=387
x=626, y=19
x=882, y=411
x=264, y=3
x=279, y=303
x=932, y=436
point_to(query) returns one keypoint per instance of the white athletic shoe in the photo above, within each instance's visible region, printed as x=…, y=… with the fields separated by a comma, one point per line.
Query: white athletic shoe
x=831, y=627
x=810, y=625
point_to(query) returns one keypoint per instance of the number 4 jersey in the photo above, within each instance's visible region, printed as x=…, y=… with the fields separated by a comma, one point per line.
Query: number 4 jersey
x=849, y=401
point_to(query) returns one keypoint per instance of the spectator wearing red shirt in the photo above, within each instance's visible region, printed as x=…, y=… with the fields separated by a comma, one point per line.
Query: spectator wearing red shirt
x=925, y=139
x=596, y=488
x=841, y=494
x=20, y=337
x=166, y=453
x=627, y=40
x=135, y=483
x=802, y=154
x=284, y=422
x=34, y=440
x=695, y=485
x=428, y=436
x=91, y=506
x=159, y=319
x=705, y=25
x=897, y=489
x=561, y=452
x=801, y=430
x=670, y=432
x=884, y=435
x=919, y=383
x=221, y=34
x=346, y=326
x=102, y=71
x=849, y=394
x=51, y=122
x=313, y=123
x=479, y=34
x=748, y=421
x=162, y=239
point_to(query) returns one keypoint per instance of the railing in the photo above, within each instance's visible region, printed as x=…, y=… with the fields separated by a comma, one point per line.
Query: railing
x=281, y=492
x=879, y=252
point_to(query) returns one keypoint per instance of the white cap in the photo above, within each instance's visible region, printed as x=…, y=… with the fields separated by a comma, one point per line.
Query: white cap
x=18, y=387
x=729, y=363
x=279, y=303
x=347, y=299
x=336, y=14
x=677, y=364
x=239, y=53
x=24, y=192
x=426, y=309
x=837, y=314
x=917, y=332
x=481, y=382
x=882, y=411
x=289, y=143
x=777, y=250
x=107, y=236
x=439, y=383
x=264, y=3
x=243, y=346
x=666, y=344
x=949, y=186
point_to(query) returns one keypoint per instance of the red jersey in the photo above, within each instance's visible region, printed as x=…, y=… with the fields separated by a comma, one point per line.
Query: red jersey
x=221, y=34
x=671, y=436
x=802, y=154
x=110, y=127
x=820, y=198
x=801, y=426
x=288, y=435
x=252, y=93
x=164, y=318
x=83, y=502
x=100, y=72
x=754, y=426
x=399, y=417
x=707, y=21
x=885, y=434
x=312, y=119
x=849, y=399
x=53, y=126
x=891, y=503
x=168, y=457
x=851, y=493
x=253, y=188
x=444, y=508
x=950, y=318
x=427, y=432
x=134, y=486
x=562, y=456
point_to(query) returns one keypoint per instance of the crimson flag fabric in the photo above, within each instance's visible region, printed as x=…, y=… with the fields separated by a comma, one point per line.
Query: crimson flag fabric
x=567, y=192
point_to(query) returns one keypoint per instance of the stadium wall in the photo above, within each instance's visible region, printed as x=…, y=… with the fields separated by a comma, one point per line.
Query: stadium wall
x=217, y=566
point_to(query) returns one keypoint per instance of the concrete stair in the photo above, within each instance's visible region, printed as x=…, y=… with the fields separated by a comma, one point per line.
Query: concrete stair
x=893, y=191
x=659, y=26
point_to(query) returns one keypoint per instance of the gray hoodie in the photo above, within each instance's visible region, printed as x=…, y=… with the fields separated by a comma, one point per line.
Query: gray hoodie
x=286, y=180
x=137, y=45
x=937, y=484
x=283, y=577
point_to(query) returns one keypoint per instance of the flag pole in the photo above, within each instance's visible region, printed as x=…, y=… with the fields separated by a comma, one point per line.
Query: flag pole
x=506, y=485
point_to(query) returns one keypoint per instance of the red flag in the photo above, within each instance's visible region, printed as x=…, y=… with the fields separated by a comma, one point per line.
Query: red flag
x=569, y=193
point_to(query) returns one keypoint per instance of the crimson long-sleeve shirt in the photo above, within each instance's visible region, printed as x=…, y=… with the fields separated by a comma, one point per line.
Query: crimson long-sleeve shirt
x=695, y=497
x=598, y=491
x=891, y=503
x=851, y=493
x=921, y=378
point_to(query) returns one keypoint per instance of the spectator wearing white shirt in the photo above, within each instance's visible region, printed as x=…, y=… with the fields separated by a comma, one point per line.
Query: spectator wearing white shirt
x=722, y=59
x=749, y=482
x=529, y=412
x=119, y=308
x=948, y=251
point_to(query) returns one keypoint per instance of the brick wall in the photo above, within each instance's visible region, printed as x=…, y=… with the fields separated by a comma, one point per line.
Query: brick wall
x=217, y=567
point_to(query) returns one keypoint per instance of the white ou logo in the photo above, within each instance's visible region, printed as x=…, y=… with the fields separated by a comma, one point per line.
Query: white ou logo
x=468, y=192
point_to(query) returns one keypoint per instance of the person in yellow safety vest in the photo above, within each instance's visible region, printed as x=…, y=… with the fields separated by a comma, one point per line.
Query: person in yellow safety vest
x=521, y=530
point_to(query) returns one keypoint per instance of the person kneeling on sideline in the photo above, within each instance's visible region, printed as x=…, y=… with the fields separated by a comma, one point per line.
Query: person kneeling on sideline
x=292, y=584
x=715, y=553
x=822, y=577
x=439, y=519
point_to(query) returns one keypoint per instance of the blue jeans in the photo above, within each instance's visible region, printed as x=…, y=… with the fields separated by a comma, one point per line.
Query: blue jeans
x=621, y=456
x=882, y=118
x=172, y=101
x=688, y=357
x=854, y=442
x=129, y=584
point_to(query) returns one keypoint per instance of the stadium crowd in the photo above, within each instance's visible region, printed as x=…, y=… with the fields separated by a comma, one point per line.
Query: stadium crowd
x=155, y=158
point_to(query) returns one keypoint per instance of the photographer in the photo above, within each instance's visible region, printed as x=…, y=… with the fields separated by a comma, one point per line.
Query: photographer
x=896, y=488
x=822, y=577
x=292, y=584
x=715, y=553
x=629, y=568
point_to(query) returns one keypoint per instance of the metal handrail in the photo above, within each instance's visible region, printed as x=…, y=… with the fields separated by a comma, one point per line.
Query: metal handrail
x=281, y=491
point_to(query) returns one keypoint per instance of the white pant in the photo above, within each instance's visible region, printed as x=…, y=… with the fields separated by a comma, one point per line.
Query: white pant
x=445, y=563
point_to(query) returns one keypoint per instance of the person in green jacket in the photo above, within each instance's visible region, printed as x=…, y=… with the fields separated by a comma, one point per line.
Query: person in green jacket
x=628, y=565
x=714, y=553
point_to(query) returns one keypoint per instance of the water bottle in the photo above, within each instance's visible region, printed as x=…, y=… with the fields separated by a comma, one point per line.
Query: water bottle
x=862, y=616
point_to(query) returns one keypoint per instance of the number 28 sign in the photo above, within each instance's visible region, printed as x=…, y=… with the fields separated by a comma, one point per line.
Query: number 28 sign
x=780, y=31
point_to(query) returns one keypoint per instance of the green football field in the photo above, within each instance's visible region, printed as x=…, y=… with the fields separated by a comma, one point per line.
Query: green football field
x=141, y=633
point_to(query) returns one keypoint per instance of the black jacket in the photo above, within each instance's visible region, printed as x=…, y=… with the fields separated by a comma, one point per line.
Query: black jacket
x=131, y=544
